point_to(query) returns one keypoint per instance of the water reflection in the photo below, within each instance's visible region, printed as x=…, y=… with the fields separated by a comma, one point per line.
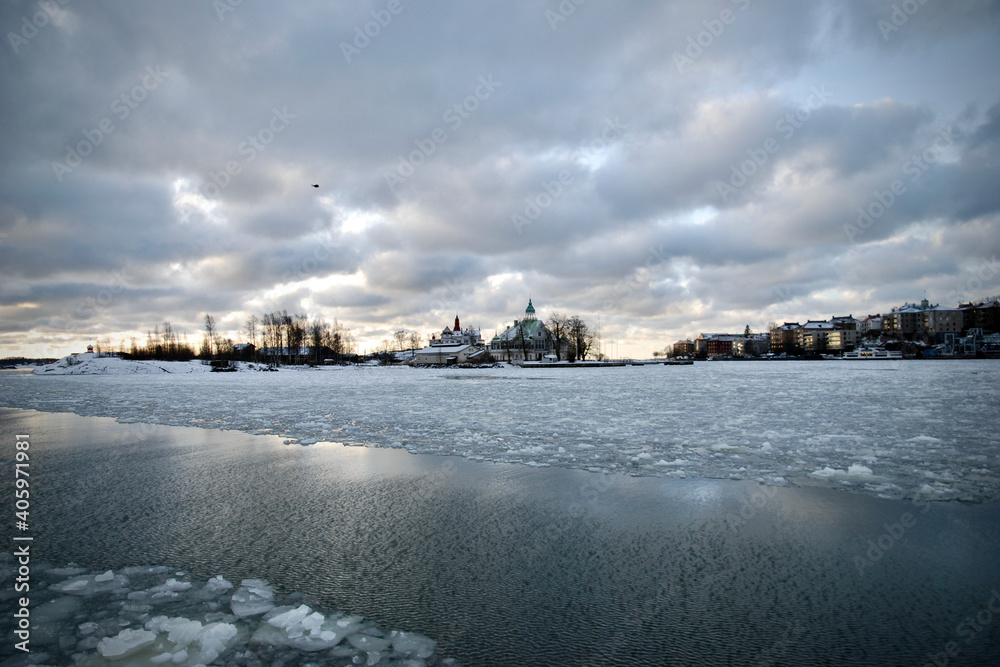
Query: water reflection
x=505, y=564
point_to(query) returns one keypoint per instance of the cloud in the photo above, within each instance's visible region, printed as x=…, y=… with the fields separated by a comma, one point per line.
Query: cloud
x=471, y=156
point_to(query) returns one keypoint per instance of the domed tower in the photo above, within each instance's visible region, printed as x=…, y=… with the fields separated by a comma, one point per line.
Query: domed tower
x=529, y=312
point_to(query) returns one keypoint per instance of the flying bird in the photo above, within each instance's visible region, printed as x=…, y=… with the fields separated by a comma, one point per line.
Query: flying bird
x=315, y=185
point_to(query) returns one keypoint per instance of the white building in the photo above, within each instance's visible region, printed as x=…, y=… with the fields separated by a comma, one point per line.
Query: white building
x=455, y=346
x=870, y=323
x=457, y=336
x=526, y=340
x=446, y=355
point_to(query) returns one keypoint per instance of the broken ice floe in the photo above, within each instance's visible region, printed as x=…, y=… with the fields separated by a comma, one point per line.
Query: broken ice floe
x=154, y=616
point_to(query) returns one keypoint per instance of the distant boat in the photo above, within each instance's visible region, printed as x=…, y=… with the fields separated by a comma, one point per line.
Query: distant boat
x=678, y=362
x=873, y=353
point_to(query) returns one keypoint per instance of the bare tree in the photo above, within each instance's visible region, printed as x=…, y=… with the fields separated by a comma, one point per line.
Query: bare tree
x=250, y=328
x=558, y=326
x=295, y=335
x=210, y=335
x=319, y=332
x=580, y=338
x=399, y=340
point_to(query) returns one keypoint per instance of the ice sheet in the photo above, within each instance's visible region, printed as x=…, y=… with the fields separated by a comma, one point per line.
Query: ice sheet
x=917, y=427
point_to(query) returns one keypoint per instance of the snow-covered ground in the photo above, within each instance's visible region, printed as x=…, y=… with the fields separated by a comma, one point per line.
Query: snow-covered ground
x=158, y=616
x=889, y=428
x=89, y=363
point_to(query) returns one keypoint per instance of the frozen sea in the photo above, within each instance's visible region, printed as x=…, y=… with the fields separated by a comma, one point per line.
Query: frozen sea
x=887, y=428
x=520, y=553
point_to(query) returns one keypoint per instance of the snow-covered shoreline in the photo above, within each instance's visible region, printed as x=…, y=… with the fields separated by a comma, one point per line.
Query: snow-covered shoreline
x=90, y=363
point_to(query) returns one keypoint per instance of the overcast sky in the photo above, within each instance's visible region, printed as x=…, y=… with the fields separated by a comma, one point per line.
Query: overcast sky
x=667, y=167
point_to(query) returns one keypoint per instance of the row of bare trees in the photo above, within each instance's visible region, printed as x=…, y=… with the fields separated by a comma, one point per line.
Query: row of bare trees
x=579, y=336
x=161, y=343
x=294, y=339
x=276, y=338
x=401, y=341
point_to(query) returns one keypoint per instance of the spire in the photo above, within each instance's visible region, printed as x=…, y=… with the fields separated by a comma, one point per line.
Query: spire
x=529, y=312
x=457, y=325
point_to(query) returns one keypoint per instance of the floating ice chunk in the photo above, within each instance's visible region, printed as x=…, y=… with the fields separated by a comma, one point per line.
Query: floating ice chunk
x=348, y=621
x=183, y=631
x=412, y=644
x=217, y=585
x=54, y=611
x=125, y=643
x=107, y=576
x=90, y=585
x=675, y=462
x=313, y=623
x=144, y=569
x=926, y=439
x=186, y=635
x=855, y=470
x=214, y=639
x=65, y=571
x=858, y=470
x=290, y=618
x=174, y=585
x=368, y=643
x=254, y=597
x=304, y=629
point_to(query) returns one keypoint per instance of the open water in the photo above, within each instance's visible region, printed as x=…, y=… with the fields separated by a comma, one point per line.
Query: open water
x=508, y=564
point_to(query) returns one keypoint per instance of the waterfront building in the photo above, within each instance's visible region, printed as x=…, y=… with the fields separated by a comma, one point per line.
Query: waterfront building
x=528, y=339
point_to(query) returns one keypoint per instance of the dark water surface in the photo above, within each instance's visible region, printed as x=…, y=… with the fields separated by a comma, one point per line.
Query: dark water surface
x=512, y=565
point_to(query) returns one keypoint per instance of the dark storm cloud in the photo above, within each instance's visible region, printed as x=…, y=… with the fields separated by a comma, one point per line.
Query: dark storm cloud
x=471, y=154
